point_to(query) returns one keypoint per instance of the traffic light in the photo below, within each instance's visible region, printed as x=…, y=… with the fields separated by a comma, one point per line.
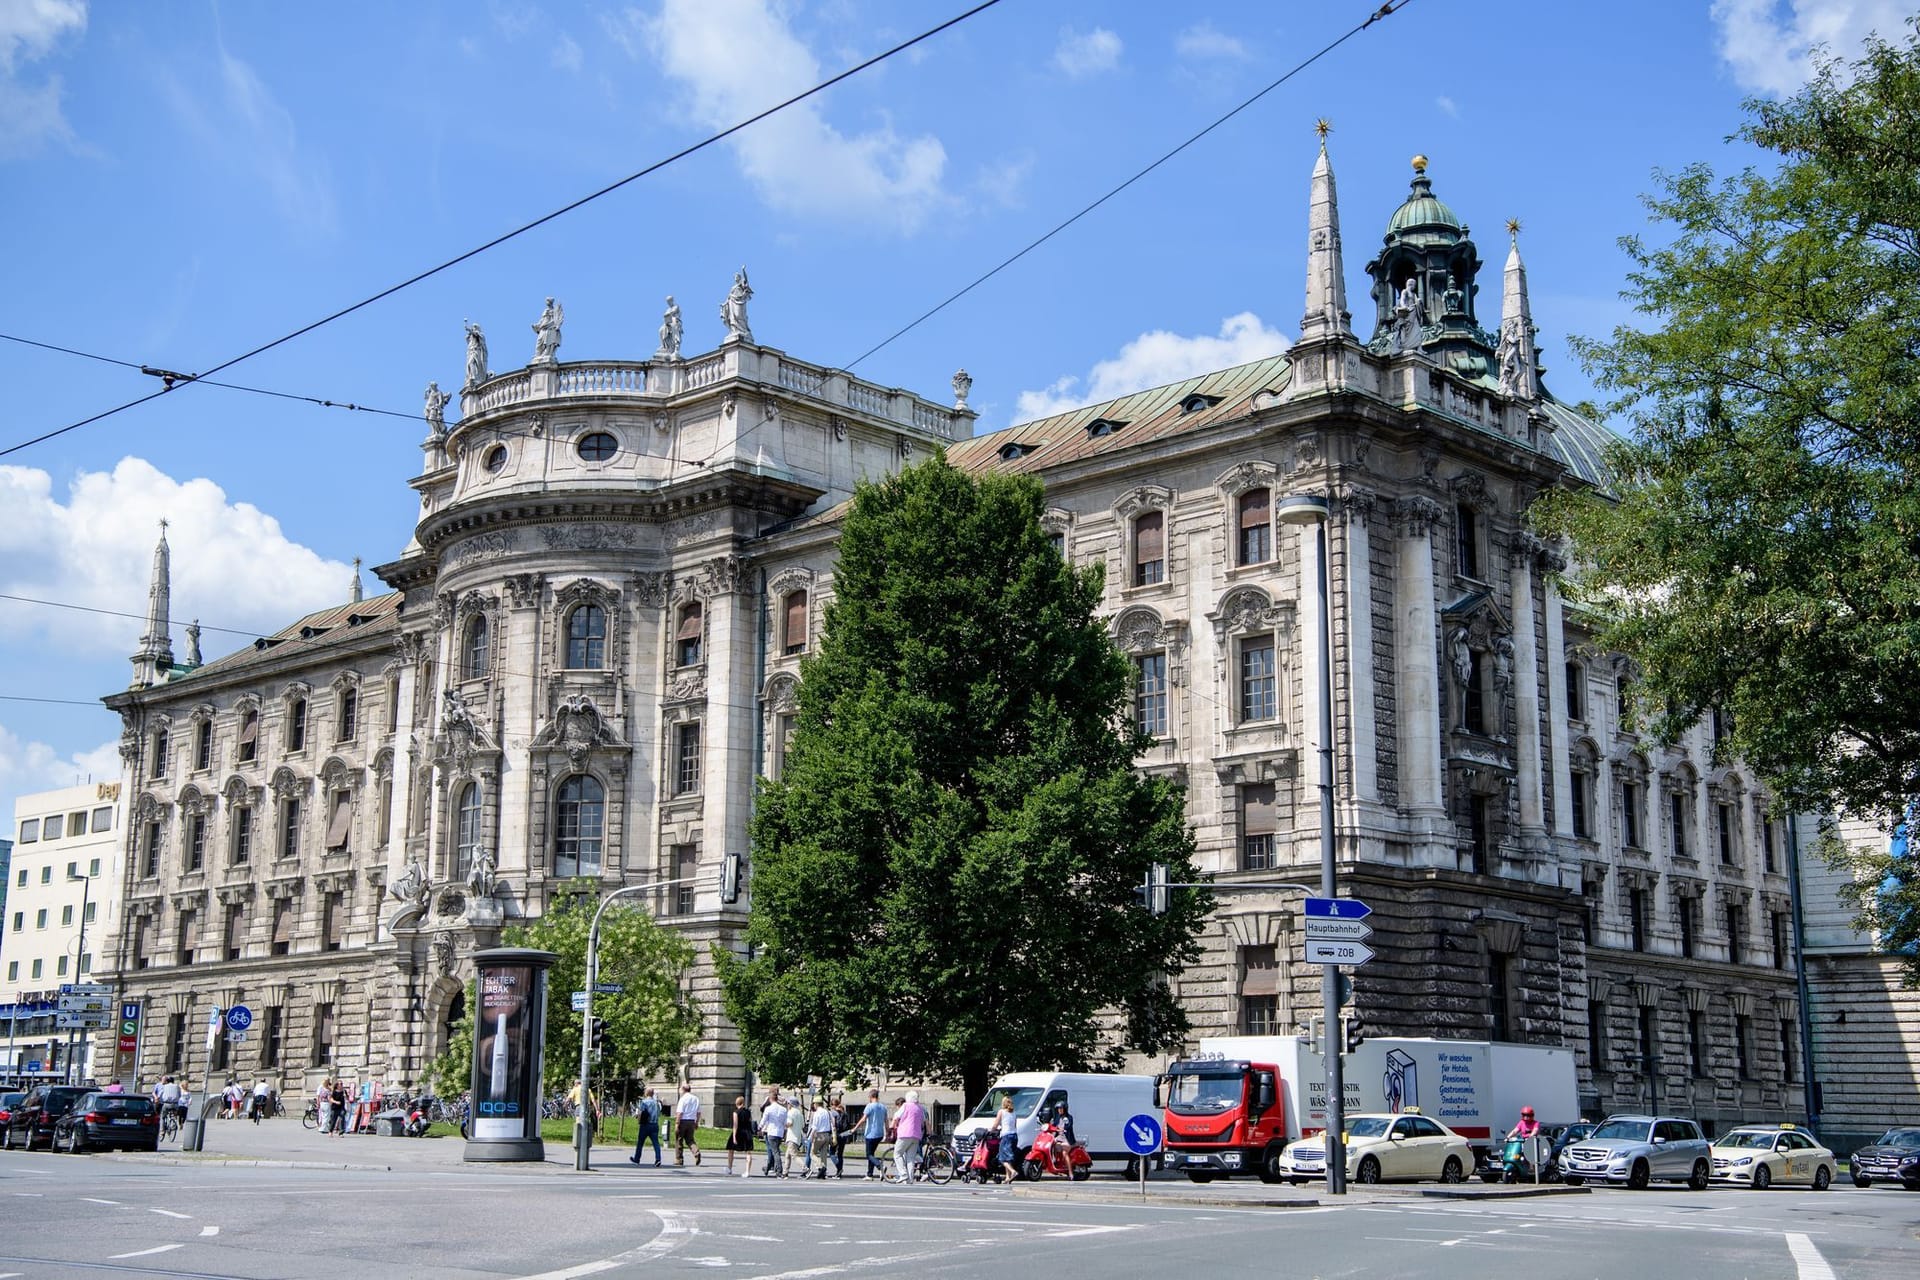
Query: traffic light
x=1154, y=893
x=602, y=1039
x=1356, y=1036
x=732, y=871
x=1310, y=1035
x=1342, y=990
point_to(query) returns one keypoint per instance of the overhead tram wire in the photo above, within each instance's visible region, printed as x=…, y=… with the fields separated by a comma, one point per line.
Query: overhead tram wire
x=1386, y=10
x=499, y=240
x=173, y=379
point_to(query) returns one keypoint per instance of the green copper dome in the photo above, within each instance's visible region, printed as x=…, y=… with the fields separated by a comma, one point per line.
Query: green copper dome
x=1422, y=209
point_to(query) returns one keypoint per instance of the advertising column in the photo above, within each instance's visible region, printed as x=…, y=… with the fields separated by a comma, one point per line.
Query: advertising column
x=509, y=1048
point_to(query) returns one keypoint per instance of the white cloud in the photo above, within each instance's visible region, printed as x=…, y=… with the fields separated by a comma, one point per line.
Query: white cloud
x=1206, y=42
x=30, y=113
x=237, y=119
x=1154, y=359
x=1447, y=105
x=1089, y=54
x=28, y=766
x=1767, y=42
x=231, y=564
x=567, y=54
x=739, y=57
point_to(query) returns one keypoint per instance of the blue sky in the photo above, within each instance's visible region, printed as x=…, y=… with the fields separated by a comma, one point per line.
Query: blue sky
x=185, y=181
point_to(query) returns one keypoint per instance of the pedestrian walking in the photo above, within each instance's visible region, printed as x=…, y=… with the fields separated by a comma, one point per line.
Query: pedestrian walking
x=686, y=1114
x=773, y=1127
x=1009, y=1140
x=820, y=1138
x=649, y=1128
x=740, y=1134
x=323, y=1106
x=842, y=1134
x=873, y=1130
x=910, y=1133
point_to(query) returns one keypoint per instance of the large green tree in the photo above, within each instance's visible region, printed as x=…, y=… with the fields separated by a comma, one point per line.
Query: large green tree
x=943, y=875
x=651, y=1022
x=1760, y=551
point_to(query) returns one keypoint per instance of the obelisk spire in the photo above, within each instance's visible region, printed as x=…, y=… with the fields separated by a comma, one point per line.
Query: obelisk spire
x=1519, y=357
x=355, y=597
x=1326, y=315
x=155, y=658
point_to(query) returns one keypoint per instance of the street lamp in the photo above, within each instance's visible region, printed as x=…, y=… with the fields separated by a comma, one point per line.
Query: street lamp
x=1302, y=510
x=79, y=959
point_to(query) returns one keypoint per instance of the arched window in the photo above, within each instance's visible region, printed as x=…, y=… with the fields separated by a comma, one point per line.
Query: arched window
x=476, y=649
x=579, y=819
x=686, y=640
x=466, y=845
x=793, y=631
x=1256, y=527
x=587, y=638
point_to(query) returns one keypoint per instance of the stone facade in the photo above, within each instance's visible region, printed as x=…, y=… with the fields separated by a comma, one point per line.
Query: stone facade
x=592, y=646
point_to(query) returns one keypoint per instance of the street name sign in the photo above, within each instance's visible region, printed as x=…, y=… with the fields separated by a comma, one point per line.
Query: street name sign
x=579, y=1002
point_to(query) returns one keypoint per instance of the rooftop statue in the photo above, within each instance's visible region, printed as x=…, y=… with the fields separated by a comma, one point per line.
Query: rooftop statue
x=733, y=312
x=962, y=387
x=476, y=357
x=437, y=408
x=1406, y=316
x=546, y=341
x=1514, y=361
x=670, y=330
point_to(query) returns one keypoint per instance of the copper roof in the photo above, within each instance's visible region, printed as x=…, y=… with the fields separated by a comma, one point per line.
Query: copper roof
x=315, y=633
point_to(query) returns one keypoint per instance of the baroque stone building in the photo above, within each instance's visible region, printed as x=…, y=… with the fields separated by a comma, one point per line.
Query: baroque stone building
x=591, y=651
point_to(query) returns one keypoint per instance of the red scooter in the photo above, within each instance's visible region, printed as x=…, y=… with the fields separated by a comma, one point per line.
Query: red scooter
x=1052, y=1155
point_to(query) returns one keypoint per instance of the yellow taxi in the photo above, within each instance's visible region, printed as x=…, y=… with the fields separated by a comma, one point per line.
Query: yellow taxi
x=1761, y=1155
x=1386, y=1147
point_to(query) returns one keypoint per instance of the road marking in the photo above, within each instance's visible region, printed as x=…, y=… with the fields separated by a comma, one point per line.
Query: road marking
x=97, y=1200
x=168, y=1213
x=840, y=1268
x=209, y=1231
x=674, y=1232
x=142, y=1253
x=1807, y=1258
x=1085, y=1231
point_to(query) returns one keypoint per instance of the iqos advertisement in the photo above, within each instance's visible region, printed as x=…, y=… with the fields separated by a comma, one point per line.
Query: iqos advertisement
x=508, y=1035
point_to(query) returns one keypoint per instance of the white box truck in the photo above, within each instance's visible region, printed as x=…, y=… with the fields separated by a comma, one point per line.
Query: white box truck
x=1232, y=1105
x=1100, y=1103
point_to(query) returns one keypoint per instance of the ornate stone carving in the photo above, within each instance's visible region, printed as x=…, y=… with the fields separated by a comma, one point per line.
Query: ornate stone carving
x=650, y=589
x=1247, y=475
x=576, y=728
x=1416, y=516
x=839, y=426
x=445, y=954
x=129, y=740
x=1358, y=504
x=733, y=311
x=692, y=530
x=482, y=878
x=1470, y=489
x=412, y=885
x=783, y=695
x=728, y=401
x=411, y=646
x=288, y=785
x=688, y=685
x=192, y=802
x=962, y=388
x=523, y=590
x=1247, y=609
x=672, y=331
x=461, y=737
x=1148, y=497
x=792, y=578
x=719, y=576
x=546, y=333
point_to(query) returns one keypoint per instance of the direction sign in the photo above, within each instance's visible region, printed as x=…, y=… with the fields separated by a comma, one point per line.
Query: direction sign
x=1142, y=1134
x=579, y=1002
x=1326, y=951
x=609, y=988
x=1338, y=908
x=86, y=988
x=1331, y=929
x=239, y=1018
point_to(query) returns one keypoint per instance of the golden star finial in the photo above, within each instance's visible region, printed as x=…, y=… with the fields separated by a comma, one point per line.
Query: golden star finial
x=1513, y=227
x=1323, y=127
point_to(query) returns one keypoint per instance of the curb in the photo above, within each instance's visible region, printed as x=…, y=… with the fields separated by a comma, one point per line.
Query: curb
x=1503, y=1193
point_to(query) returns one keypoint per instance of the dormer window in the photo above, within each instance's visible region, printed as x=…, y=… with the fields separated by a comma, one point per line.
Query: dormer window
x=1103, y=427
x=1196, y=402
x=1009, y=452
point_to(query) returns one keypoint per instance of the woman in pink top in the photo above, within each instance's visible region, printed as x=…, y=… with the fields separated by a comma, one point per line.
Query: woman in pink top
x=910, y=1133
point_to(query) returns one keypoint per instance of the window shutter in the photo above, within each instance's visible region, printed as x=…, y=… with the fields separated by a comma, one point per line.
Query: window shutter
x=283, y=921
x=795, y=633
x=1254, y=509
x=337, y=824
x=690, y=623
x=1149, y=540
x=1258, y=815
x=1262, y=976
x=249, y=730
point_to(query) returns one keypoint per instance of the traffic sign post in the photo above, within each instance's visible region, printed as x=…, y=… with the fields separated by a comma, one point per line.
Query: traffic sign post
x=1142, y=1133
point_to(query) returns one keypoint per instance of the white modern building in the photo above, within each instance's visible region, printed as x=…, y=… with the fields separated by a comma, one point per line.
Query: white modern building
x=62, y=905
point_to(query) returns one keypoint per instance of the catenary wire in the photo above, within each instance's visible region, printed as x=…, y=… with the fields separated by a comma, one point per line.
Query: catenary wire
x=1386, y=10
x=410, y=281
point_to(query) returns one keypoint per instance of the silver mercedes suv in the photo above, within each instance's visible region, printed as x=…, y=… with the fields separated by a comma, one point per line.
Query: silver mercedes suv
x=1636, y=1150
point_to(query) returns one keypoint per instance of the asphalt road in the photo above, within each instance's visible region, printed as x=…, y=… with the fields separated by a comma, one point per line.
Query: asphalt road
x=277, y=1202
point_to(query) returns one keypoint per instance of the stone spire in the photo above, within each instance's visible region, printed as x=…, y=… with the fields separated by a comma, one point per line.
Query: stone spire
x=1326, y=315
x=154, y=661
x=354, y=595
x=1519, y=357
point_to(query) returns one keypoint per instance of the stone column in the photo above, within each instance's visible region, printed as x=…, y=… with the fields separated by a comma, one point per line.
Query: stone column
x=1418, y=710
x=1526, y=694
x=1558, y=733
x=1363, y=767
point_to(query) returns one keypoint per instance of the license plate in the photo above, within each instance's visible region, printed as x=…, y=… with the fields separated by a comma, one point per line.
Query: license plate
x=134, y=1120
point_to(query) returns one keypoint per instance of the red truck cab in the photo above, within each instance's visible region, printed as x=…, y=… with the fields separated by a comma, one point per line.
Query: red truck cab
x=1224, y=1117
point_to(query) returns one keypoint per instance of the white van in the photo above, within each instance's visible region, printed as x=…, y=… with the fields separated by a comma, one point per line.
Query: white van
x=1101, y=1104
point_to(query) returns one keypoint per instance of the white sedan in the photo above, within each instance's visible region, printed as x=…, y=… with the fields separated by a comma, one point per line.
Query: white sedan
x=1383, y=1147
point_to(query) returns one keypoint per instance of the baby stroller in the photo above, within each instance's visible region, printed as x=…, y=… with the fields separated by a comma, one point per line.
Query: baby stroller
x=983, y=1164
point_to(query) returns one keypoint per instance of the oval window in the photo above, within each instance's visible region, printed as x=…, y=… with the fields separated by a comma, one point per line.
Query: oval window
x=597, y=446
x=496, y=457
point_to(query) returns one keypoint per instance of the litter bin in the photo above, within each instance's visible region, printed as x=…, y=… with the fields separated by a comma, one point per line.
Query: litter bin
x=193, y=1133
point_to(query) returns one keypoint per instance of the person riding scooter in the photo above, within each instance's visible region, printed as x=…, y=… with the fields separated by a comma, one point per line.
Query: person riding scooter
x=1516, y=1163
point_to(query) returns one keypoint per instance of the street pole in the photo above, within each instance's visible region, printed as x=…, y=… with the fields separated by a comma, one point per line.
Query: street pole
x=86, y=889
x=1303, y=510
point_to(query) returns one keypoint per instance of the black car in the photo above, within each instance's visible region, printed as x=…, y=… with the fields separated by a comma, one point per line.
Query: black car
x=1895, y=1158
x=8, y=1101
x=109, y=1120
x=31, y=1122
x=1563, y=1139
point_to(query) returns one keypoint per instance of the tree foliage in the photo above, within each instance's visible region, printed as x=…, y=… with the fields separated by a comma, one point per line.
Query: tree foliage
x=1760, y=551
x=651, y=1022
x=943, y=875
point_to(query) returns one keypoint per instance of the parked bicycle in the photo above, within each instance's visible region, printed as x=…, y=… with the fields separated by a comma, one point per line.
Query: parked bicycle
x=310, y=1119
x=935, y=1165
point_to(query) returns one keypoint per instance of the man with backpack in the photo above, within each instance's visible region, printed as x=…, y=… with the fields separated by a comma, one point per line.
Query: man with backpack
x=649, y=1128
